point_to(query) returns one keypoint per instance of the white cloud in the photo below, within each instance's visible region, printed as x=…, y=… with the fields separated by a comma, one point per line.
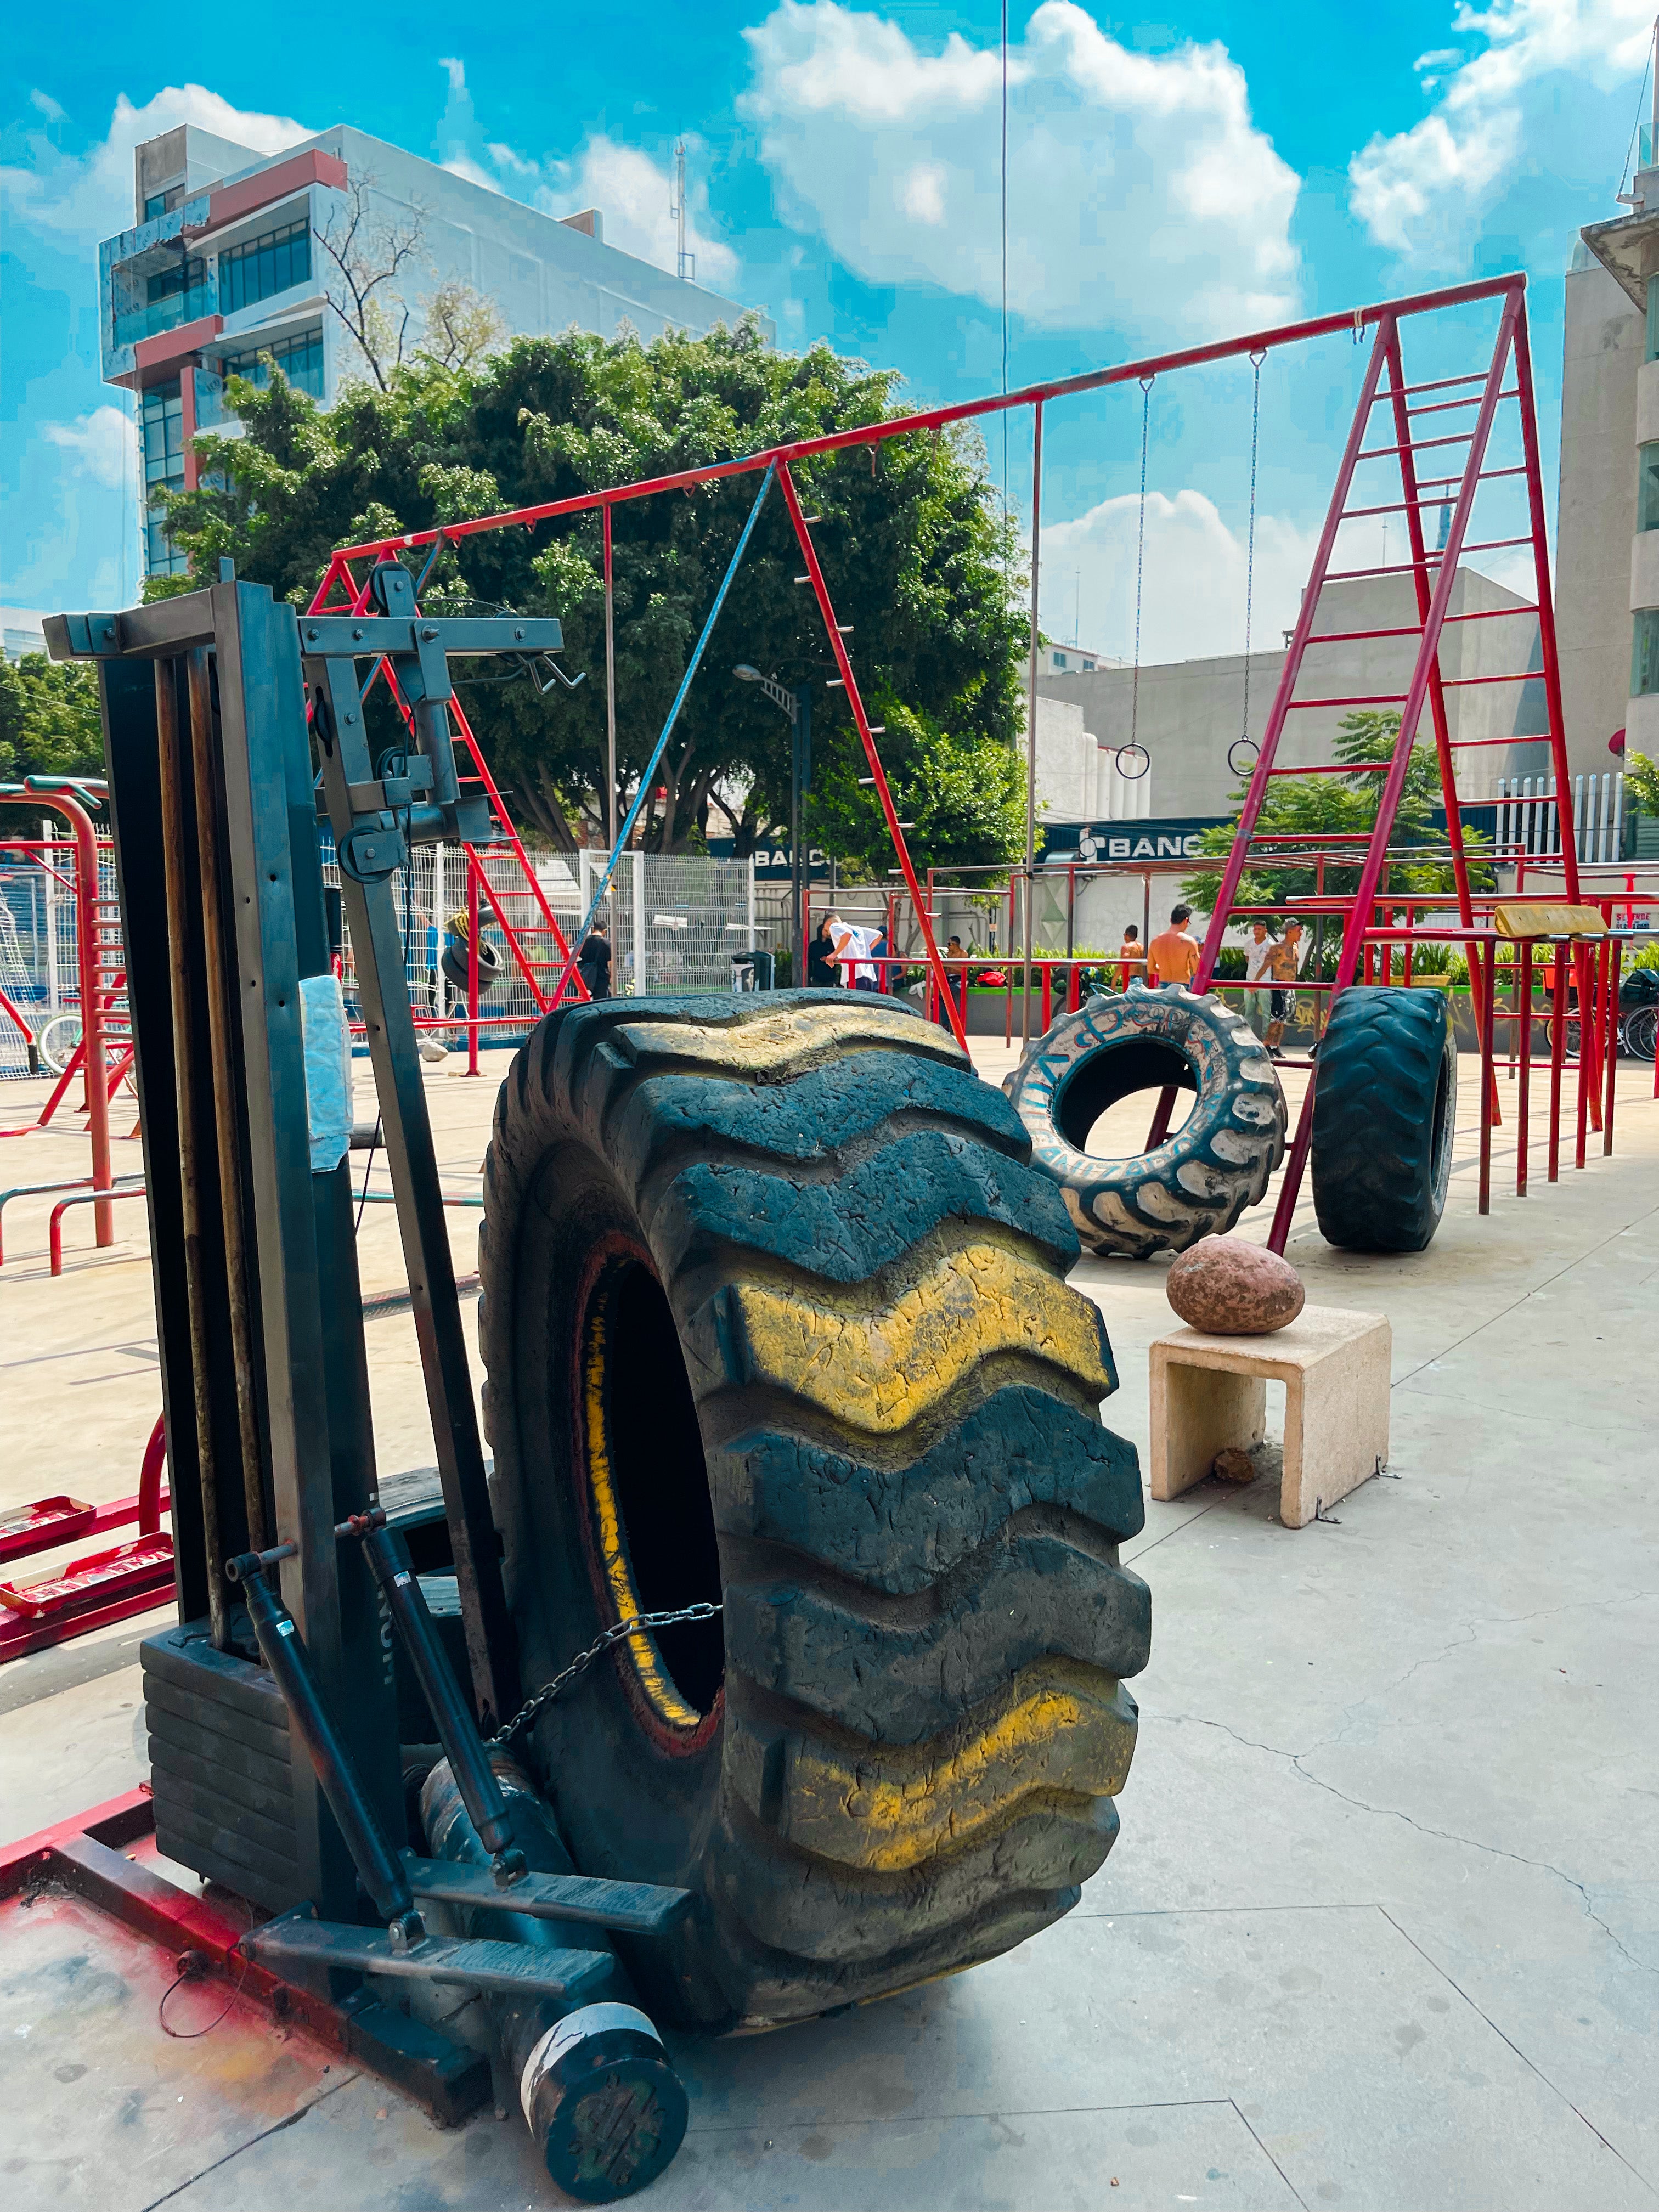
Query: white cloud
x=104, y=441
x=1417, y=191
x=631, y=191
x=90, y=194
x=1193, y=591
x=1139, y=190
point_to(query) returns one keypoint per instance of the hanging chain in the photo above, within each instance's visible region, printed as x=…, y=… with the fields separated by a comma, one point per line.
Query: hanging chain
x=1256, y=359
x=703, y=1610
x=1146, y=384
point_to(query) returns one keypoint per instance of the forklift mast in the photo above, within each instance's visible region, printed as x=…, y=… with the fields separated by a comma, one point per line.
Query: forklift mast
x=234, y=728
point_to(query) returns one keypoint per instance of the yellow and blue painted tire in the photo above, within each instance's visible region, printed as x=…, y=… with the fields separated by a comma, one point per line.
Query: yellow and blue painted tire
x=774, y=1316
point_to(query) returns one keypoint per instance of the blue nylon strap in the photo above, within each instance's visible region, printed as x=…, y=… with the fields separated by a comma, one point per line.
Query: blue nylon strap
x=623, y=834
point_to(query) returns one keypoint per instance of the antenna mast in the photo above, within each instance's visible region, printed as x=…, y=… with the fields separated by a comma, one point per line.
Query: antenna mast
x=685, y=264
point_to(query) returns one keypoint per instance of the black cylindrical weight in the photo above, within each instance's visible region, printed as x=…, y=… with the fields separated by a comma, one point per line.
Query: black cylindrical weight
x=596, y=2087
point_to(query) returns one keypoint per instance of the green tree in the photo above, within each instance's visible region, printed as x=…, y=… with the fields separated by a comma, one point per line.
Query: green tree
x=915, y=555
x=1642, y=775
x=49, y=720
x=1329, y=805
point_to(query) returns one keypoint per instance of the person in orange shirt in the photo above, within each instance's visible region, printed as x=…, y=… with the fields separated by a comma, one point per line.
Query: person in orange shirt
x=1172, y=956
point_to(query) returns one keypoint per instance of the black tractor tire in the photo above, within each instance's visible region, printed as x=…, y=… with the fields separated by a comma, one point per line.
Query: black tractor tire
x=454, y=962
x=775, y=1317
x=1199, y=1181
x=1385, y=1112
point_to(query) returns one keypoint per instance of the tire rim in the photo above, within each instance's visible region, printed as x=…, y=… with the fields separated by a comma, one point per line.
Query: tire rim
x=649, y=1520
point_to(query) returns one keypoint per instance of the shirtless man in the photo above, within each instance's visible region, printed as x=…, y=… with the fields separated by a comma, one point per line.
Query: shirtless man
x=1172, y=956
x=1284, y=966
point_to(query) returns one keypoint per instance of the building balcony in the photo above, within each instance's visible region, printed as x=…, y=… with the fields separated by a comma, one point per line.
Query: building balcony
x=159, y=315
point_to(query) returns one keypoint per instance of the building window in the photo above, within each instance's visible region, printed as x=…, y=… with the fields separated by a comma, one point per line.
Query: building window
x=154, y=205
x=163, y=429
x=300, y=359
x=273, y=262
x=1645, y=661
x=1647, y=487
x=1060, y=661
x=178, y=294
x=1651, y=351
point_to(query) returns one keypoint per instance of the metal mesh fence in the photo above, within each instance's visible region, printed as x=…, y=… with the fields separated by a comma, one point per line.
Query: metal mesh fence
x=674, y=924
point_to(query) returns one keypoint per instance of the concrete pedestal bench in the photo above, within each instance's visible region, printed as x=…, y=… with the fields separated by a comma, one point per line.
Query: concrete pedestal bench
x=1210, y=1392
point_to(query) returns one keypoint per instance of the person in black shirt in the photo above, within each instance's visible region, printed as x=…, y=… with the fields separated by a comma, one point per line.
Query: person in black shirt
x=595, y=961
x=823, y=972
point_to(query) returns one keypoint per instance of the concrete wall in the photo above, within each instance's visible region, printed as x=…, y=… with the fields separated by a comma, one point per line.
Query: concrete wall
x=1191, y=711
x=1596, y=511
x=1077, y=776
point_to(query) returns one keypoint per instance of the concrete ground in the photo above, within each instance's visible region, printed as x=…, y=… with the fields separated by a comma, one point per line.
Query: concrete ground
x=1381, y=1929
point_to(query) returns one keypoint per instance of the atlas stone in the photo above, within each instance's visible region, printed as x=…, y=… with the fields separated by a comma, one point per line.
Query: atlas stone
x=1229, y=1287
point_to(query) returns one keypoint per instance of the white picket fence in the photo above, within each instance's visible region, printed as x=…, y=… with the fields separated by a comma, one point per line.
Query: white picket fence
x=1529, y=819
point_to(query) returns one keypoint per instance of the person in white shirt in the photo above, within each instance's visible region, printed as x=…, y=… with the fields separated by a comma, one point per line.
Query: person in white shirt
x=1258, y=1010
x=853, y=949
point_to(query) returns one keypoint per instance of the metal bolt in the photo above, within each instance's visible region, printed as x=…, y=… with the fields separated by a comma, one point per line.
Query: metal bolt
x=312, y=634
x=428, y=634
x=518, y=633
x=357, y=632
x=350, y=715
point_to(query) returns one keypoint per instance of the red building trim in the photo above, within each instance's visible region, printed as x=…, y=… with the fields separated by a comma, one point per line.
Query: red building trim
x=232, y=202
x=167, y=347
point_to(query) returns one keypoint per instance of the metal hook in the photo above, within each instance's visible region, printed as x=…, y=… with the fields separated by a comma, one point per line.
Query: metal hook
x=569, y=682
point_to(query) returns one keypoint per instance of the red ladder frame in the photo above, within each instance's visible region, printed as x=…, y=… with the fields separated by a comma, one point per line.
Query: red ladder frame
x=339, y=576
x=1427, y=686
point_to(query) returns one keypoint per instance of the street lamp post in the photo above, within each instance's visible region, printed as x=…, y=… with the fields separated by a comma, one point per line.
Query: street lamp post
x=797, y=706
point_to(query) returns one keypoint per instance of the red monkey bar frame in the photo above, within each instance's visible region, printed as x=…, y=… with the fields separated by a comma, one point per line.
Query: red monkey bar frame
x=96, y=988
x=1432, y=573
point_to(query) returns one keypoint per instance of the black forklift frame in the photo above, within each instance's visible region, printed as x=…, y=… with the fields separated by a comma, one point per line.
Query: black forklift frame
x=215, y=807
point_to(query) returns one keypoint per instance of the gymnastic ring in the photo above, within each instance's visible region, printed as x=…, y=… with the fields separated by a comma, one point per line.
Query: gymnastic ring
x=1238, y=760
x=1134, y=774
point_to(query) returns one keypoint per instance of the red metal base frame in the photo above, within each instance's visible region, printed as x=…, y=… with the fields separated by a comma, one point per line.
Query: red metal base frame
x=85, y=1854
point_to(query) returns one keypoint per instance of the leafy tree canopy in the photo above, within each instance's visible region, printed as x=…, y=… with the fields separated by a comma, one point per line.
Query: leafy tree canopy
x=1329, y=804
x=917, y=559
x=49, y=722
x=1642, y=775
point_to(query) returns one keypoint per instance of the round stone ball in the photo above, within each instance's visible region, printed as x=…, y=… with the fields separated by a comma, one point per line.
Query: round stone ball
x=1228, y=1287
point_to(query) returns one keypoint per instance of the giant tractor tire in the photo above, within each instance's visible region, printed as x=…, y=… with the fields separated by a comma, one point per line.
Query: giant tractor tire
x=1199, y=1181
x=1385, y=1110
x=774, y=1318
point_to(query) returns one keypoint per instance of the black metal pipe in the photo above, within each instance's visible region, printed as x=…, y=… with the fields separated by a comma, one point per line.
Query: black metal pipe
x=603, y=2105
x=285, y=1654
x=176, y=860
x=458, y=1731
x=222, y=1046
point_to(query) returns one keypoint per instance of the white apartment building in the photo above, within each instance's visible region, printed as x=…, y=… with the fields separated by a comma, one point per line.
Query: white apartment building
x=223, y=265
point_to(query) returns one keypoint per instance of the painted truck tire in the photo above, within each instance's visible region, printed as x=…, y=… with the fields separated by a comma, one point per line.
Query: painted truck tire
x=1385, y=1112
x=1199, y=1181
x=774, y=1316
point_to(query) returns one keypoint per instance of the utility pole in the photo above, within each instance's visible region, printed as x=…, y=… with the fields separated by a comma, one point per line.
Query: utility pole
x=685, y=264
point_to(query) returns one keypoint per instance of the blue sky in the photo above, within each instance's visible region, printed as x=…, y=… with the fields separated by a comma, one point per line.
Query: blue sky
x=1220, y=166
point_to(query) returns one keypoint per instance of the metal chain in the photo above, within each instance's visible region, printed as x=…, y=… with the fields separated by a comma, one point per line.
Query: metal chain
x=1256, y=359
x=1146, y=384
x=703, y=1610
